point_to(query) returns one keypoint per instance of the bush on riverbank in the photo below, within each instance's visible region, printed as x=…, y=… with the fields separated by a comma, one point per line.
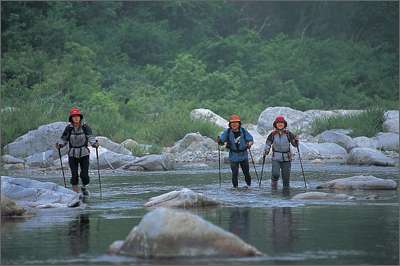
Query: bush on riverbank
x=367, y=123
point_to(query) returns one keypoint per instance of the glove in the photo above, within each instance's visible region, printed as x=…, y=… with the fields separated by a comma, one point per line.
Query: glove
x=59, y=146
x=296, y=140
x=266, y=152
x=96, y=144
x=219, y=141
x=248, y=144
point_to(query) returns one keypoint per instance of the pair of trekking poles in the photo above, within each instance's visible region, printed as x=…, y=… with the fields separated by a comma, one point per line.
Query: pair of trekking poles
x=254, y=165
x=98, y=169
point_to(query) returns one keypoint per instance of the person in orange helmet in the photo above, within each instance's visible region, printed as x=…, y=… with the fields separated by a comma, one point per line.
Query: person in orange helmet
x=279, y=140
x=78, y=135
x=237, y=140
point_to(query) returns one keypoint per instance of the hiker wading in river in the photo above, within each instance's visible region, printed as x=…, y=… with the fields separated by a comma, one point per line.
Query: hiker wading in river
x=280, y=139
x=237, y=140
x=78, y=135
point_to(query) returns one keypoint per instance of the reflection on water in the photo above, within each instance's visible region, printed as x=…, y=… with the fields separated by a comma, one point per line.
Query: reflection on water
x=282, y=229
x=78, y=234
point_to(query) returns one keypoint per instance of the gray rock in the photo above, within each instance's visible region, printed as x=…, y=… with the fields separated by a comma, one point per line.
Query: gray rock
x=311, y=151
x=184, y=198
x=109, y=159
x=321, y=196
x=39, y=140
x=14, y=166
x=112, y=146
x=129, y=144
x=369, y=157
x=10, y=209
x=387, y=141
x=168, y=233
x=41, y=159
x=8, y=159
x=267, y=118
x=32, y=193
x=364, y=142
x=151, y=162
x=360, y=182
x=391, y=123
x=210, y=116
x=338, y=138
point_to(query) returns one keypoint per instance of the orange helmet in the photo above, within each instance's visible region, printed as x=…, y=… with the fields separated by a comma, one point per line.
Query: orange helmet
x=234, y=118
x=73, y=112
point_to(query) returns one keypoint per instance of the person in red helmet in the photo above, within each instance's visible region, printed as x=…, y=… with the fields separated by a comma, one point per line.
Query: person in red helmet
x=237, y=140
x=78, y=135
x=279, y=140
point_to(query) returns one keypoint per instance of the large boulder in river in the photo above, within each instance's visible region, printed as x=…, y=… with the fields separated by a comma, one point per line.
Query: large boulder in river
x=298, y=120
x=194, y=147
x=169, y=233
x=210, y=116
x=360, y=182
x=341, y=139
x=152, y=162
x=387, y=141
x=113, y=146
x=108, y=159
x=314, y=195
x=184, y=198
x=41, y=139
x=391, y=123
x=369, y=157
x=9, y=208
x=311, y=151
x=365, y=142
x=41, y=159
x=32, y=193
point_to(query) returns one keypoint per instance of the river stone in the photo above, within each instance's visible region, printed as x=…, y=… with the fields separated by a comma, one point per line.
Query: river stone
x=391, y=123
x=210, y=116
x=321, y=196
x=8, y=159
x=129, y=144
x=169, y=233
x=112, y=146
x=14, y=166
x=369, y=157
x=311, y=151
x=387, y=141
x=39, y=140
x=365, y=142
x=108, y=159
x=184, y=198
x=9, y=208
x=267, y=117
x=360, y=182
x=41, y=159
x=332, y=136
x=152, y=162
x=32, y=193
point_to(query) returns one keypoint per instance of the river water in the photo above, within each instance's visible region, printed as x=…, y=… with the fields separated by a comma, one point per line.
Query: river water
x=361, y=231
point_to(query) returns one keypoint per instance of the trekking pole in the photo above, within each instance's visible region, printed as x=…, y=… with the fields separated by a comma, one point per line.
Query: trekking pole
x=251, y=155
x=98, y=169
x=219, y=165
x=62, y=168
x=262, y=171
x=301, y=164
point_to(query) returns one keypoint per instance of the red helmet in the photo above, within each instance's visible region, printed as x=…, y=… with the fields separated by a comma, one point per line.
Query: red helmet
x=73, y=112
x=279, y=119
x=234, y=118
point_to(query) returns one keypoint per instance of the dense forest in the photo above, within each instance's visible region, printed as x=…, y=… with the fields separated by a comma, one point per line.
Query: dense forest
x=137, y=69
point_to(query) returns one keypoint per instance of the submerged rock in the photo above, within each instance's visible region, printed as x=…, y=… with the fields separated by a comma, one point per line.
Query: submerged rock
x=360, y=182
x=184, y=198
x=9, y=208
x=321, y=196
x=167, y=233
x=152, y=162
x=32, y=193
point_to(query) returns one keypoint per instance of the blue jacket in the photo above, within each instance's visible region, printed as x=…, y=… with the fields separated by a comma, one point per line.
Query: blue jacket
x=236, y=155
